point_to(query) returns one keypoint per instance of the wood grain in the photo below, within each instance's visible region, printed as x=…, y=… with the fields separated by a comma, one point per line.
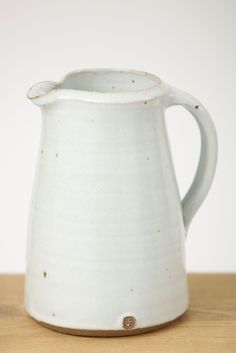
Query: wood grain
x=209, y=326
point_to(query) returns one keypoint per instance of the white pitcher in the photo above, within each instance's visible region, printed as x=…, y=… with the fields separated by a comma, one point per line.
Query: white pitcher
x=107, y=227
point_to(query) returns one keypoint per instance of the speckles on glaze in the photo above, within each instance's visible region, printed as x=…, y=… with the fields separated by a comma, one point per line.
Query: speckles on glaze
x=113, y=87
x=133, y=81
x=147, y=158
x=131, y=289
x=169, y=274
x=129, y=322
x=53, y=314
x=196, y=106
x=145, y=102
x=41, y=151
x=44, y=274
x=158, y=231
x=56, y=155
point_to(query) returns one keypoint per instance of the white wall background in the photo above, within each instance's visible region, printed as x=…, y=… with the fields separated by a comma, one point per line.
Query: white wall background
x=190, y=44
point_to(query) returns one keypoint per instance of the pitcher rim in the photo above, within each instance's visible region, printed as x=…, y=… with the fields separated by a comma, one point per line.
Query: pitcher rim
x=46, y=92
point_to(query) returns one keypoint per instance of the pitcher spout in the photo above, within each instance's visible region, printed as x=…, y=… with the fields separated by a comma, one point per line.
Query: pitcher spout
x=42, y=93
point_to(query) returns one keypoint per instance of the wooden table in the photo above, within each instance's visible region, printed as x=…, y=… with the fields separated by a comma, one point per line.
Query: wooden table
x=209, y=326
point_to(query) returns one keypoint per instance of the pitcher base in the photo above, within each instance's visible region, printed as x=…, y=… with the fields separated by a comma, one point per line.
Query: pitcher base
x=105, y=333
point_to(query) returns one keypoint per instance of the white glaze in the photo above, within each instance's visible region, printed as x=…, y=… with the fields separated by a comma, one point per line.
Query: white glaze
x=106, y=230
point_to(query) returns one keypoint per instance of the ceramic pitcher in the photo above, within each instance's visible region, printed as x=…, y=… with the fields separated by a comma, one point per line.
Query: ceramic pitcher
x=107, y=227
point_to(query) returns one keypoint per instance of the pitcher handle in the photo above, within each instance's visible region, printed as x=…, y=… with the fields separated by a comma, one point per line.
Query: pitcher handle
x=208, y=157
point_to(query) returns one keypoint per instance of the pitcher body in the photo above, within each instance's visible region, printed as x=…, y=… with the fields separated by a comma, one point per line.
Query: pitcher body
x=106, y=234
